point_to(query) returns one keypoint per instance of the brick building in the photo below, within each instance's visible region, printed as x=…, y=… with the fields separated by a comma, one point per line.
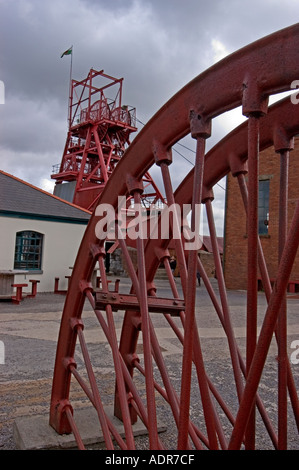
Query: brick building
x=235, y=232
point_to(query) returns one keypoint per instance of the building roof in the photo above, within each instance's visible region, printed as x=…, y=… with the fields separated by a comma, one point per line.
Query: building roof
x=207, y=244
x=21, y=199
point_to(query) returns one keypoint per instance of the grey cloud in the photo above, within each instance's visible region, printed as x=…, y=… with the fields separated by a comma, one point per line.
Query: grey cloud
x=156, y=45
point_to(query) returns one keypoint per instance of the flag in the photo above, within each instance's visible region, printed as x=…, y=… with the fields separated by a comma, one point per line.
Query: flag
x=67, y=52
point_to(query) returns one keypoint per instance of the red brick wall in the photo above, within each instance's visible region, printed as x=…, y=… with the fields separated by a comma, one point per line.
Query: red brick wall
x=235, y=241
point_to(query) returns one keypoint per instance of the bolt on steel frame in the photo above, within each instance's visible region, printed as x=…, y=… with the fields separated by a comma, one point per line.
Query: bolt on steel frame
x=246, y=78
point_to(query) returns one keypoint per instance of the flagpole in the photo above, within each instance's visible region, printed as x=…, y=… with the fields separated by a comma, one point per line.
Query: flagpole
x=69, y=52
x=70, y=87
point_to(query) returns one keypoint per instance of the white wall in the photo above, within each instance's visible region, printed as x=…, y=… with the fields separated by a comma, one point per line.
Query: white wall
x=60, y=246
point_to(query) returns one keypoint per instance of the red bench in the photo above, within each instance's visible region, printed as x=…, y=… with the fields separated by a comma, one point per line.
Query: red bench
x=293, y=286
x=34, y=283
x=116, y=284
x=260, y=283
x=56, y=287
x=19, y=293
x=99, y=283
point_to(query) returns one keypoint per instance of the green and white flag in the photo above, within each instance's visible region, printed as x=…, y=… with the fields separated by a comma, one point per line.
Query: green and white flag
x=67, y=52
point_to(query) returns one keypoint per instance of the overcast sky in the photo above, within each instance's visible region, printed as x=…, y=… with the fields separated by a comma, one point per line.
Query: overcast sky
x=156, y=45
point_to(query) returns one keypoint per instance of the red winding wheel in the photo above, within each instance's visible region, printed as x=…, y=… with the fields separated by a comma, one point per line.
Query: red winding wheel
x=201, y=416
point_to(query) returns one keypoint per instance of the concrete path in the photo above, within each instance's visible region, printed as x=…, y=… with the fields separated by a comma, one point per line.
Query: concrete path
x=29, y=332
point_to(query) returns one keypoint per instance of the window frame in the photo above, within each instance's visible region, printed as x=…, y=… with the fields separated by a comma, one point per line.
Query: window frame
x=28, y=251
x=264, y=208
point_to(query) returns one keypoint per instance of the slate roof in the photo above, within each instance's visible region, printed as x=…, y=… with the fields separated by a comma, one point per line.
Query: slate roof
x=20, y=198
x=207, y=244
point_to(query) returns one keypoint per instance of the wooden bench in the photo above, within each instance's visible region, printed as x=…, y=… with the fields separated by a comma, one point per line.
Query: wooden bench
x=260, y=283
x=34, y=283
x=56, y=287
x=116, y=284
x=293, y=286
x=16, y=299
x=99, y=282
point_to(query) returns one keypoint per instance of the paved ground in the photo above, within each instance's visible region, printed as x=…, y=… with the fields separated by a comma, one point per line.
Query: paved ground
x=29, y=334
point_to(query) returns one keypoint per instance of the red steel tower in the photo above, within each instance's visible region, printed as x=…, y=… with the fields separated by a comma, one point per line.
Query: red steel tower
x=98, y=134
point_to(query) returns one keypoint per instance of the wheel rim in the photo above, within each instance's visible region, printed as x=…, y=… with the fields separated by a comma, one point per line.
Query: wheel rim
x=250, y=81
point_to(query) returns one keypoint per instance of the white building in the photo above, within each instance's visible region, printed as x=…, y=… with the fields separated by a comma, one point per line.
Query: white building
x=40, y=235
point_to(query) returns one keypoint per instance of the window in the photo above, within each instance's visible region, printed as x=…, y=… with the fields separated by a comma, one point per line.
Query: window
x=28, y=251
x=263, y=206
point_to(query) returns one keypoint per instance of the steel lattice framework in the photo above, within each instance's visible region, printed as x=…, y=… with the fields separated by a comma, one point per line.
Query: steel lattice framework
x=99, y=133
x=246, y=78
